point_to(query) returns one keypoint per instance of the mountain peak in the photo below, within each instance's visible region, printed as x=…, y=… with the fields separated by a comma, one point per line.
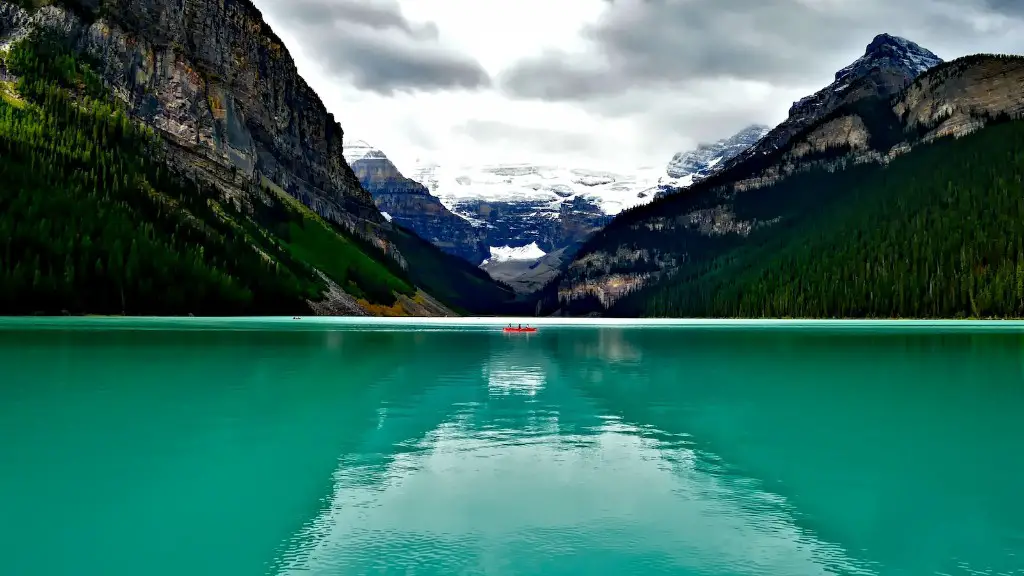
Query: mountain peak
x=695, y=165
x=886, y=50
x=360, y=150
x=885, y=39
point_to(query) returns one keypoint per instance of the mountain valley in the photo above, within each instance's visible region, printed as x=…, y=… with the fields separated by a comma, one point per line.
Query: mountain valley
x=167, y=158
x=476, y=211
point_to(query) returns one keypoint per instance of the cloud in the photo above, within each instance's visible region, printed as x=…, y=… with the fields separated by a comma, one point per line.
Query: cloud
x=373, y=46
x=1011, y=8
x=537, y=140
x=654, y=44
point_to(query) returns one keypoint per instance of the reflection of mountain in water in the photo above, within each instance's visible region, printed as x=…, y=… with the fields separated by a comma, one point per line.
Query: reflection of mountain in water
x=451, y=471
x=503, y=379
x=850, y=445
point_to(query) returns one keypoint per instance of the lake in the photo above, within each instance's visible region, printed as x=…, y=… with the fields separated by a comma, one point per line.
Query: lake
x=238, y=447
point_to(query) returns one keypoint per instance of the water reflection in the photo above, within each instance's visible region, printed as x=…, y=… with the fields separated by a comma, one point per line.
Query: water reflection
x=504, y=379
x=573, y=452
x=535, y=477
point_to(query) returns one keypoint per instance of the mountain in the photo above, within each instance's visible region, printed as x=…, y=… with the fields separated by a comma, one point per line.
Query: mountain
x=889, y=63
x=695, y=165
x=165, y=157
x=476, y=211
x=555, y=208
x=410, y=204
x=863, y=207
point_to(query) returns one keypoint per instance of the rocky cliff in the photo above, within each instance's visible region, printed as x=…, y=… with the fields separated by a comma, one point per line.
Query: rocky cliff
x=220, y=86
x=410, y=204
x=695, y=165
x=888, y=65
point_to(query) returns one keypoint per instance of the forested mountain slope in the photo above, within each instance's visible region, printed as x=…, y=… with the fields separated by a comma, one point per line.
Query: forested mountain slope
x=796, y=219
x=117, y=202
x=939, y=233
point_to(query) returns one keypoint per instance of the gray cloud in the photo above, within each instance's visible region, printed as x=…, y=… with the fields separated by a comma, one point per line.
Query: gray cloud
x=667, y=44
x=1012, y=8
x=534, y=139
x=371, y=44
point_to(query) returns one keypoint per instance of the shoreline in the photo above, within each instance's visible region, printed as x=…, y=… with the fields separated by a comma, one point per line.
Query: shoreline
x=489, y=323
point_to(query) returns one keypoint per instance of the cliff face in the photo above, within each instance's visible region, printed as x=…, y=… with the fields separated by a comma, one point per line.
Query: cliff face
x=213, y=78
x=955, y=99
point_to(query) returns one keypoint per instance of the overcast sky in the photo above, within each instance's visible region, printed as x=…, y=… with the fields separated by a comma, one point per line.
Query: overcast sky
x=613, y=84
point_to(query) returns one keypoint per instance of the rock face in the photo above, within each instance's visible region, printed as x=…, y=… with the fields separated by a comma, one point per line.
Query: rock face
x=708, y=159
x=956, y=98
x=410, y=204
x=888, y=65
x=220, y=86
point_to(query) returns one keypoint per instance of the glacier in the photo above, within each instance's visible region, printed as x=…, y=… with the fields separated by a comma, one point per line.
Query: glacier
x=530, y=252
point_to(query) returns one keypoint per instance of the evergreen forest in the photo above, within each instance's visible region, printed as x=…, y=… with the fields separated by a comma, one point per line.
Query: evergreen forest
x=937, y=233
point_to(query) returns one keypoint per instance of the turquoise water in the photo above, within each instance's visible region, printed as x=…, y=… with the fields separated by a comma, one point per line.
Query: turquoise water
x=305, y=447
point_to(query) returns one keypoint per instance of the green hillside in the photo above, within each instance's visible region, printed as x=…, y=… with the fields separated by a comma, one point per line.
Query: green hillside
x=939, y=232
x=92, y=221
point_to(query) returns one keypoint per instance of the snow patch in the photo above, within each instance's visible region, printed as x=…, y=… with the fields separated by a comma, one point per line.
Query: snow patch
x=507, y=253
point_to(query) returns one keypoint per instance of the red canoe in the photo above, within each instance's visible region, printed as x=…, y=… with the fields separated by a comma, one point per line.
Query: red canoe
x=507, y=329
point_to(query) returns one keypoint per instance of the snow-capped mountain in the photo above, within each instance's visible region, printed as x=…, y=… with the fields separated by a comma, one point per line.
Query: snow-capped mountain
x=509, y=217
x=360, y=150
x=521, y=206
x=465, y=189
x=695, y=165
x=888, y=65
x=407, y=202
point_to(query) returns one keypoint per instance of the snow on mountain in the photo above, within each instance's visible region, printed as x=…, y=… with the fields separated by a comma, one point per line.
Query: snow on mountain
x=503, y=215
x=507, y=253
x=888, y=64
x=546, y=187
x=360, y=150
x=701, y=163
x=899, y=51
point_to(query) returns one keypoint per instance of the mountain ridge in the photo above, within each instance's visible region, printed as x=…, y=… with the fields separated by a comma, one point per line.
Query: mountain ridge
x=889, y=63
x=955, y=99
